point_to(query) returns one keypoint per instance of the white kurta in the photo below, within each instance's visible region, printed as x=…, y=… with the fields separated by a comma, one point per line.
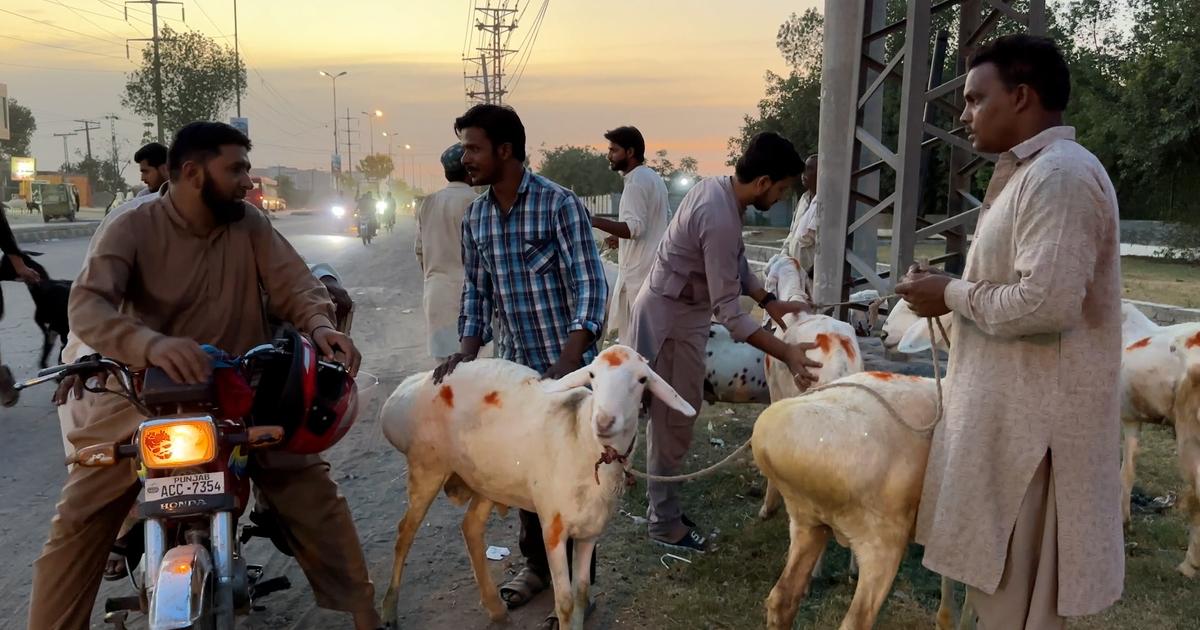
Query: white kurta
x=645, y=209
x=801, y=241
x=439, y=253
x=1034, y=358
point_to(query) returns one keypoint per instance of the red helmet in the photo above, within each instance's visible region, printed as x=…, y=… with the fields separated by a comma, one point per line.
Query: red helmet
x=315, y=402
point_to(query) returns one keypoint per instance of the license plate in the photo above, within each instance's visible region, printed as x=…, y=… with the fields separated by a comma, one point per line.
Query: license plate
x=185, y=485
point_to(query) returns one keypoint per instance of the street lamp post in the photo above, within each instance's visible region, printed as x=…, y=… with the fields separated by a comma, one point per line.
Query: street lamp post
x=371, y=126
x=412, y=167
x=334, y=78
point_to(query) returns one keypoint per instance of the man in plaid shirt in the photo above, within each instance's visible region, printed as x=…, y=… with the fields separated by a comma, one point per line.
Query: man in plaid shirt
x=530, y=258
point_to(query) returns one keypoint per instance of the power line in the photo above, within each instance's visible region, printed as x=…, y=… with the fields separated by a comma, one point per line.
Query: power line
x=80, y=13
x=25, y=65
x=528, y=48
x=74, y=50
x=61, y=28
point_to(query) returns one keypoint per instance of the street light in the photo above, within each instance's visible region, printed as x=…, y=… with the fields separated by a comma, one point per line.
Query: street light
x=371, y=126
x=334, y=78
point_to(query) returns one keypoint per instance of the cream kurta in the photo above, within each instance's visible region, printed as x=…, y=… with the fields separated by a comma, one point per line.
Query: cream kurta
x=439, y=252
x=801, y=241
x=645, y=209
x=1034, y=362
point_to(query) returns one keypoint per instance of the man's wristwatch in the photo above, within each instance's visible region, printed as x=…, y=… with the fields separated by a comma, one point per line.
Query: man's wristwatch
x=767, y=299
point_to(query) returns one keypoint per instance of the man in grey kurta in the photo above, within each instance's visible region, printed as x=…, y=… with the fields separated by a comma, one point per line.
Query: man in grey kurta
x=698, y=274
x=1020, y=491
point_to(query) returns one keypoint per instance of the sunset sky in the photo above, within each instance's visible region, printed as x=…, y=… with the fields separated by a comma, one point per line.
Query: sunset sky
x=683, y=71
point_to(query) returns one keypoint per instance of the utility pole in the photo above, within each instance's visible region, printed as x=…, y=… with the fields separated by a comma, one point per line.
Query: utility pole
x=87, y=133
x=116, y=165
x=158, y=100
x=237, y=62
x=348, y=130
x=66, y=155
x=494, y=22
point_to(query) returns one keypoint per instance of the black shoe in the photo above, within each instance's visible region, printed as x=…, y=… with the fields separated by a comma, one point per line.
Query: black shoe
x=691, y=541
x=687, y=522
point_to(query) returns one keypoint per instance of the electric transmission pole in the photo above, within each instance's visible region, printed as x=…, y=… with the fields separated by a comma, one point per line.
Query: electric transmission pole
x=66, y=153
x=87, y=133
x=158, y=100
x=349, y=155
x=493, y=22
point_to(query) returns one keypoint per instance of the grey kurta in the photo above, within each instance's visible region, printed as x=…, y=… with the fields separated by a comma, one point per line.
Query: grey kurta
x=439, y=252
x=699, y=272
x=1034, y=361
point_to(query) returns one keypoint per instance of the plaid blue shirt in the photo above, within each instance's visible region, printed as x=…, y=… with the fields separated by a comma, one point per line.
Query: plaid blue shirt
x=537, y=268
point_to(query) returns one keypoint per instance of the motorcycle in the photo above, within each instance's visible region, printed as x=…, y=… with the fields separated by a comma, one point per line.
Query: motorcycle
x=367, y=226
x=192, y=453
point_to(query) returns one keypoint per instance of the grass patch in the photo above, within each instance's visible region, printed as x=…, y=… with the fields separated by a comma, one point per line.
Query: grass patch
x=727, y=587
x=1165, y=282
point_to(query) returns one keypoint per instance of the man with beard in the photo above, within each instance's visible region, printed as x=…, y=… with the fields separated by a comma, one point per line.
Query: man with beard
x=170, y=275
x=641, y=222
x=528, y=254
x=801, y=241
x=699, y=271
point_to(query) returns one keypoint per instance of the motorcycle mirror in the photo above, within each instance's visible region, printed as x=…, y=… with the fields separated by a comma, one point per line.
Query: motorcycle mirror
x=96, y=455
x=262, y=437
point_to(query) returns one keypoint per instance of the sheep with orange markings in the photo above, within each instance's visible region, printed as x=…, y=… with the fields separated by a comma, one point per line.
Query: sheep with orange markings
x=1186, y=412
x=493, y=436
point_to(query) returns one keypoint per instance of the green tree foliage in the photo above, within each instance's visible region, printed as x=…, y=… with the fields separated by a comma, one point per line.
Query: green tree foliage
x=200, y=80
x=376, y=167
x=295, y=197
x=581, y=169
x=21, y=125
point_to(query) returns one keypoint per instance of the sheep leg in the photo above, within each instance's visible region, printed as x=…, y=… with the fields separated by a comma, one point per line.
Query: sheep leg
x=967, y=621
x=423, y=487
x=560, y=577
x=1132, y=431
x=474, y=525
x=771, y=502
x=806, y=546
x=1189, y=463
x=945, y=611
x=583, y=579
x=879, y=561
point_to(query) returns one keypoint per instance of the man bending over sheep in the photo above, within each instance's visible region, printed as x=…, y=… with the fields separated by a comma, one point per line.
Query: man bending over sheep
x=529, y=255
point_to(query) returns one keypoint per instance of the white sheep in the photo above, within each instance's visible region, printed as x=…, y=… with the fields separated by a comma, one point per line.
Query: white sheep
x=837, y=348
x=846, y=466
x=1152, y=366
x=1186, y=411
x=907, y=332
x=733, y=371
x=494, y=435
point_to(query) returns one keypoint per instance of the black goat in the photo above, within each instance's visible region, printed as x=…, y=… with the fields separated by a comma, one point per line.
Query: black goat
x=50, y=307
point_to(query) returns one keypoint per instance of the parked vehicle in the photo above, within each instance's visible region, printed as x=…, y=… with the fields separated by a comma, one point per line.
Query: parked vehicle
x=56, y=201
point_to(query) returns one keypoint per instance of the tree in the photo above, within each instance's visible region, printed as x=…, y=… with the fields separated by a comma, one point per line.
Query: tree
x=22, y=125
x=582, y=169
x=791, y=106
x=111, y=178
x=376, y=167
x=662, y=164
x=200, y=80
x=295, y=197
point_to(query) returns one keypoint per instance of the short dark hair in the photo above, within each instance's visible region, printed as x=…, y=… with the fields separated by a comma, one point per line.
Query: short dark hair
x=154, y=153
x=1032, y=60
x=202, y=140
x=769, y=154
x=457, y=175
x=501, y=124
x=628, y=137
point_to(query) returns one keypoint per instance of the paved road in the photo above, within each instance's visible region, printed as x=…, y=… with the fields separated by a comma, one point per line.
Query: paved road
x=385, y=282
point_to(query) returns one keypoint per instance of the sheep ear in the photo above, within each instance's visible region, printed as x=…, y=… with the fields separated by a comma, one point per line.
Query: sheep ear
x=916, y=338
x=579, y=378
x=664, y=392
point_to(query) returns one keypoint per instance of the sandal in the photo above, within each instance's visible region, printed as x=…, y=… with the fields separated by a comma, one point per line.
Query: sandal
x=551, y=620
x=8, y=391
x=114, y=568
x=522, y=588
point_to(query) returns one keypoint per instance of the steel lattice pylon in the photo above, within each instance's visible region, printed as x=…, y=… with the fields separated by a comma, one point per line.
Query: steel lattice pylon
x=853, y=152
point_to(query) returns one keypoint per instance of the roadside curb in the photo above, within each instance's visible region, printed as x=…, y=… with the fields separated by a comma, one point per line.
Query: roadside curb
x=38, y=233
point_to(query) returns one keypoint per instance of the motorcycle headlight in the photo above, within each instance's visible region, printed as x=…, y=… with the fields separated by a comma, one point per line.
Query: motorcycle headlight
x=380, y=206
x=339, y=211
x=177, y=442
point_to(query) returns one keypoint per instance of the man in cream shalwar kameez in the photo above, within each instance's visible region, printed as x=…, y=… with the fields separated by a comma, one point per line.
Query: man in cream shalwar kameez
x=1020, y=490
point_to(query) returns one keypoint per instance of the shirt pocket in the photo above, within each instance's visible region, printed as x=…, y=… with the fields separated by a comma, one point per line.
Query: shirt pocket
x=540, y=255
x=484, y=251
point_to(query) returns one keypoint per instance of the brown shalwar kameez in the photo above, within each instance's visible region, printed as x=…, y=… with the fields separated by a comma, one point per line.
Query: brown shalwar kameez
x=699, y=272
x=152, y=275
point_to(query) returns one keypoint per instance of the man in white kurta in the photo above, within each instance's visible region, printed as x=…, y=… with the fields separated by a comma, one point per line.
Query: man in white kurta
x=439, y=253
x=1020, y=497
x=801, y=241
x=641, y=222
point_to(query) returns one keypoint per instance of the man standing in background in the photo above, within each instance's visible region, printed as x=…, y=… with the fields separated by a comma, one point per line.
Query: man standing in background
x=439, y=253
x=801, y=241
x=641, y=222
x=152, y=164
x=12, y=267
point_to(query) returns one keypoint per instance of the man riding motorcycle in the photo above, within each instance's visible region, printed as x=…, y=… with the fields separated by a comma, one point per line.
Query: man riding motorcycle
x=184, y=270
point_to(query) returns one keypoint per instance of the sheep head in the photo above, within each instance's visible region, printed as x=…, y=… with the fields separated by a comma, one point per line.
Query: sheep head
x=618, y=377
x=905, y=331
x=785, y=279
